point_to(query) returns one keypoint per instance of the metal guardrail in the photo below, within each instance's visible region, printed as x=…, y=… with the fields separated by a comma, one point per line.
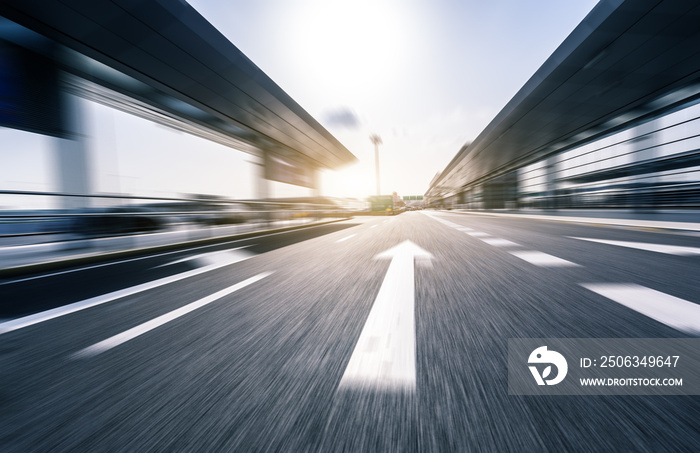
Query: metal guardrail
x=31, y=237
x=139, y=214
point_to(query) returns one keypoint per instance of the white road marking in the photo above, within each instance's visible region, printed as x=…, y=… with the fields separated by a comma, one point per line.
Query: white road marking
x=478, y=234
x=345, y=238
x=373, y=226
x=672, y=311
x=448, y=223
x=153, y=256
x=621, y=222
x=220, y=256
x=385, y=354
x=541, y=259
x=445, y=222
x=660, y=248
x=496, y=242
x=95, y=266
x=134, y=332
x=19, y=323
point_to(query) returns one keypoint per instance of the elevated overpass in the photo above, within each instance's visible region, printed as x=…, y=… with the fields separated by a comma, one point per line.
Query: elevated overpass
x=160, y=59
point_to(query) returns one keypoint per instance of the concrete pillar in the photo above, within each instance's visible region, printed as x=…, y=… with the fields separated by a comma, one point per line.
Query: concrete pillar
x=262, y=185
x=72, y=166
x=644, y=148
x=550, y=175
x=316, y=189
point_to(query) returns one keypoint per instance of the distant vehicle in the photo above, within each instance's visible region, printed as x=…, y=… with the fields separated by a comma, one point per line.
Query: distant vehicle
x=229, y=214
x=381, y=203
x=115, y=221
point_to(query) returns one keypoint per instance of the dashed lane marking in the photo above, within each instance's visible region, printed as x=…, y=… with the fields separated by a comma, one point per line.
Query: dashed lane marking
x=447, y=222
x=542, y=259
x=660, y=248
x=531, y=256
x=25, y=321
x=672, y=311
x=134, y=332
x=677, y=313
x=497, y=242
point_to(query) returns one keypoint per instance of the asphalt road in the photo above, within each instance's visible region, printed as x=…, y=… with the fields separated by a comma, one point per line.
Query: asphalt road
x=246, y=346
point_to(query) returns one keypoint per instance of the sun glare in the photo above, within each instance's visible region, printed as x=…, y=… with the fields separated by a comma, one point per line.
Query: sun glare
x=351, y=45
x=354, y=181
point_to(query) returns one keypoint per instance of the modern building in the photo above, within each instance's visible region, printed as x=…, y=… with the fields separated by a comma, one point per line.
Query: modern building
x=157, y=60
x=611, y=119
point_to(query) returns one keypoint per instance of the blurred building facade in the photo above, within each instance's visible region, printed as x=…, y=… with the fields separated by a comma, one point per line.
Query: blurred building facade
x=652, y=164
x=611, y=120
x=158, y=61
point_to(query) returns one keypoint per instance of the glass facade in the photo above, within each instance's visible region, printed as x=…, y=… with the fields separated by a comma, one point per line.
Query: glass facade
x=652, y=164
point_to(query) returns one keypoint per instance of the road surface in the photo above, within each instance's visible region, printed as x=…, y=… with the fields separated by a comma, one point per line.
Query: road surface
x=371, y=334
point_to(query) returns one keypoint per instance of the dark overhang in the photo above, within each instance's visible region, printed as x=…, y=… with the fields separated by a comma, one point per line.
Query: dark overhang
x=162, y=58
x=626, y=60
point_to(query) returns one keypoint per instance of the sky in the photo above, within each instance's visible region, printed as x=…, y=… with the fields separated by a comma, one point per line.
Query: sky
x=426, y=75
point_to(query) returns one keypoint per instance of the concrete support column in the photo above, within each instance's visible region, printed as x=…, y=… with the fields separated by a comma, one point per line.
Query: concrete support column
x=550, y=175
x=644, y=148
x=262, y=184
x=72, y=164
x=316, y=189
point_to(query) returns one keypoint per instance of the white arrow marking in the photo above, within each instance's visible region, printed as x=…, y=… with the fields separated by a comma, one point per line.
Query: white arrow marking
x=385, y=354
x=660, y=248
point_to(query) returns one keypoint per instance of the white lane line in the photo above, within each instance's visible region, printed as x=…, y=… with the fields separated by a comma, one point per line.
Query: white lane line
x=384, y=357
x=496, y=242
x=373, y=226
x=689, y=226
x=660, y=248
x=95, y=266
x=449, y=224
x=478, y=234
x=345, y=238
x=672, y=311
x=443, y=221
x=541, y=259
x=156, y=255
x=134, y=332
x=19, y=323
x=220, y=256
x=464, y=229
x=446, y=222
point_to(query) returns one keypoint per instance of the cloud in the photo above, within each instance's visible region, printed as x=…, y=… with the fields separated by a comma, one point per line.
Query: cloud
x=342, y=117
